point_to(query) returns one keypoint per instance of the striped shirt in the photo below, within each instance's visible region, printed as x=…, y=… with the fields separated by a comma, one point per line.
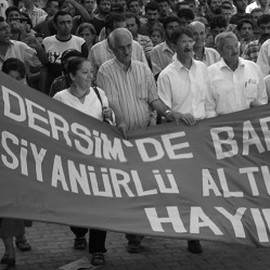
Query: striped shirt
x=21, y=51
x=263, y=60
x=35, y=14
x=101, y=53
x=161, y=57
x=134, y=89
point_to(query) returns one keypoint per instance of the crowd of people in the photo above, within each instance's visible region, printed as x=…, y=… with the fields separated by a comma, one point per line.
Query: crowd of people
x=133, y=64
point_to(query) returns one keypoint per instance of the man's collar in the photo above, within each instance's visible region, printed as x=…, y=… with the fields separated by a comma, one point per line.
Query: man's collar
x=224, y=65
x=122, y=66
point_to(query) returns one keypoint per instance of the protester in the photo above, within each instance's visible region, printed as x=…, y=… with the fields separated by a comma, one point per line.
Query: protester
x=104, y=8
x=236, y=84
x=183, y=86
x=9, y=227
x=133, y=25
x=44, y=27
x=88, y=32
x=252, y=50
x=34, y=12
x=101, y=52
x=246, y=33
x=241, y=12
x=157, y=35
x=62, y=82
x=162, y=54
x=152, y=16
x=84, y=98
x=32, y=57
x=54, y=47
x=131, y=91
x=207, y=55
x=164, y=9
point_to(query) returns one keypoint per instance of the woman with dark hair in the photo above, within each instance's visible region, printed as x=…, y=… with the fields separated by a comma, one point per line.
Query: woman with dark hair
x=88, y=32
x=13, y=227
x=91, y=101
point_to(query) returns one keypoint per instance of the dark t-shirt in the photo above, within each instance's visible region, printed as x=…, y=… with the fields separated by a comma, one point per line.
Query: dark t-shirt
x=98, y=24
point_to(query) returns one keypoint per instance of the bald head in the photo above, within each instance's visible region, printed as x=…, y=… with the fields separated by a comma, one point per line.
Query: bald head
x=117, y=35
x=198, y=32
x=194, y=26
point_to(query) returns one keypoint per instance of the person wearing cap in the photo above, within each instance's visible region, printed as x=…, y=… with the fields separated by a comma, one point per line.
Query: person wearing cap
x=62, y=82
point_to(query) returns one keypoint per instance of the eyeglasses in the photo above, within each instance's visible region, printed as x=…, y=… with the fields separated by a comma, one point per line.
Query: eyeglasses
x=187, y=42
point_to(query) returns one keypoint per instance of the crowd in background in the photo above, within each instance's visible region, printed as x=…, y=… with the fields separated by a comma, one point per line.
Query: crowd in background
x=135, y=63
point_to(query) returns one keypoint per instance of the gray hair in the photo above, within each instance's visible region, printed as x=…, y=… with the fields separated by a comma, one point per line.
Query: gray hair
x=220, y=38
x=117, y=34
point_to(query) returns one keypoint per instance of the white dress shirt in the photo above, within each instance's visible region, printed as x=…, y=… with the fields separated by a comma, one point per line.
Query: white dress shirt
x=263, y=58
x=184, y=90
x=232, y=91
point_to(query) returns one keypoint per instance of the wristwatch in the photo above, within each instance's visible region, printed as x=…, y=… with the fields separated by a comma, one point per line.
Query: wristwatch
x=167, y=112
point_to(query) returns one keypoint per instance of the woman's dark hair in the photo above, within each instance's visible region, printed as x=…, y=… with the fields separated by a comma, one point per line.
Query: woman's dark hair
x=14, y=64
x=74, y=65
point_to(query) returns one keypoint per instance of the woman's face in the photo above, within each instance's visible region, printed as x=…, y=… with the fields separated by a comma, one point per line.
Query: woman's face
x=87, y=35
x=156, y=38
x=83, y=76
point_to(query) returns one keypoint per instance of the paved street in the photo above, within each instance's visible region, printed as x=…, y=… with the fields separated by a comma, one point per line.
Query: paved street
x=52, y=247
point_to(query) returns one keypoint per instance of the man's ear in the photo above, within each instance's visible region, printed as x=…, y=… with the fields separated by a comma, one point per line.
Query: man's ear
x=110, y=43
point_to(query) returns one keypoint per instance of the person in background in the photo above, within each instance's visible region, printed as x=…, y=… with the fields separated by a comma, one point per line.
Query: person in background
x=55, y=45
x=246, y=33
x=227, y=10
x=262, y=4
x=255, y=14
x=104, y=8
x=164, y=9
x=241, y=12
x=134, y=7
x=34, y=12
x=152, y=16
x=62, y=82
x=157, y=35
x=236, y=84
x=88, y=32
x=10, y=228
x=186, y=16
x=133, y=25
x=162, y=54
x=218, y=25
x=32, y=56
x=207, y=55
x=45, y=24
x=84, y=98
x=252, y=50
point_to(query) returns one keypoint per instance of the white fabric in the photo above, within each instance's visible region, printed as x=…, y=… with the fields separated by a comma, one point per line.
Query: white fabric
x=91, y=105
x=263, y=59
x=184, y=90
x=54, y=47
x=232, y=91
